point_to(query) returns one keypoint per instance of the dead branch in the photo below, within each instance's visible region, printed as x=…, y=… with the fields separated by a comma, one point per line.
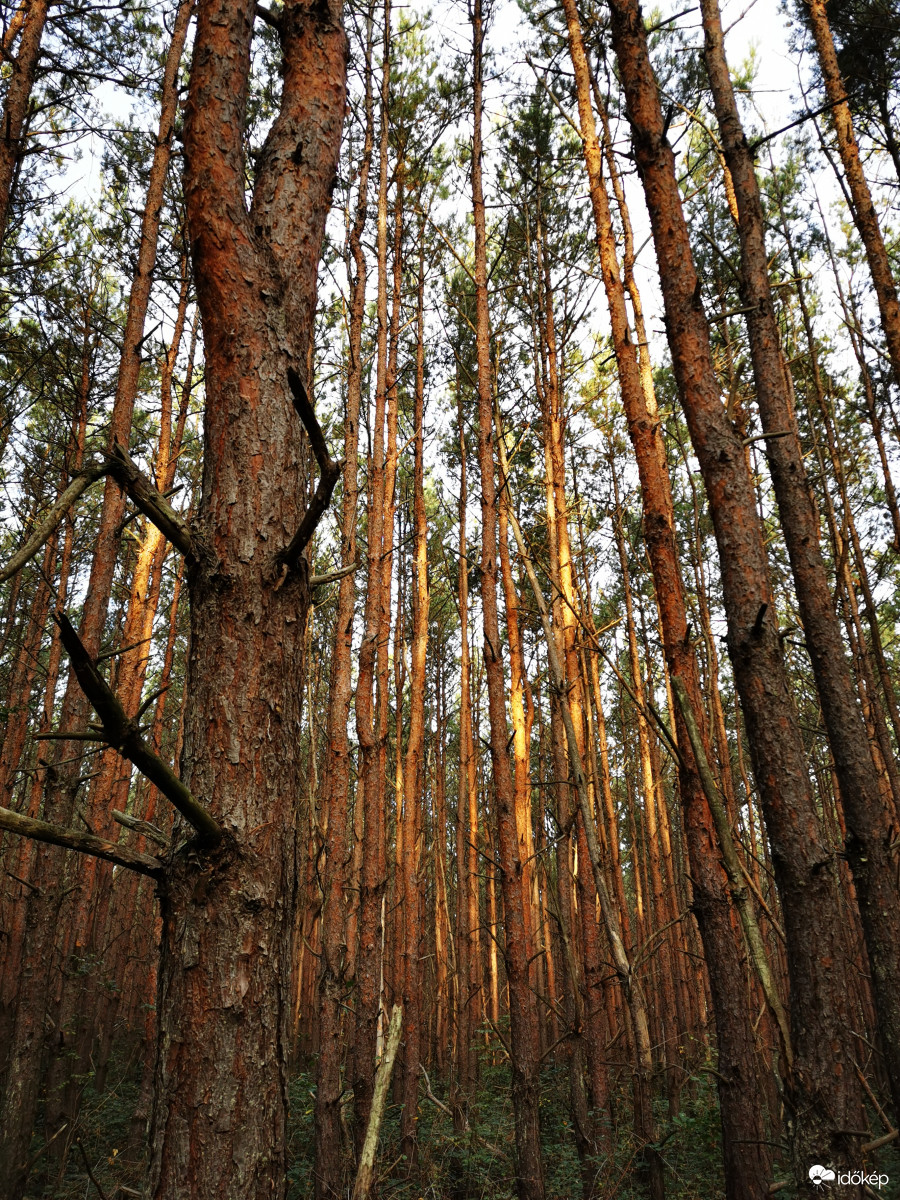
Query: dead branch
x=86, y=843
x=125, y=735
x=133, y=481
x=87, y=1167
x=143, y=827
x=44, y=531
x=151, y=502
x=467, y=1128
x=332, y=576
x=330, y=470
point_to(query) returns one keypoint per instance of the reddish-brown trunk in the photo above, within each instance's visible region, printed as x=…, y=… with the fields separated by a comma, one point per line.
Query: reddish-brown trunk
x=869, y=832
x=332, y=984
x=373, y=879
x=18, y=100
x=523, y=1027
x=746, y=1159
x=470, y=1000
x=862, y=208
x=228, y=912
x=823, y=1095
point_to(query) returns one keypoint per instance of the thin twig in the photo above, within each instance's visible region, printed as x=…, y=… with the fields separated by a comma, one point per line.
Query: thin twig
x=87, y=1167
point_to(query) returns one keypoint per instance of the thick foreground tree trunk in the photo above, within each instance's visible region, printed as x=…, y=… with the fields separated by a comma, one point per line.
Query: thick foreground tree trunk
x=218, y=1126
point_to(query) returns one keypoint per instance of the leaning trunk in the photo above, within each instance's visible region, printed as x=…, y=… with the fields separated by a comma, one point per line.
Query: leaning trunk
x=821, y=1091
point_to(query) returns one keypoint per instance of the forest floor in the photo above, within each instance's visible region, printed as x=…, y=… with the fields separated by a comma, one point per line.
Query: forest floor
x=477, y=1166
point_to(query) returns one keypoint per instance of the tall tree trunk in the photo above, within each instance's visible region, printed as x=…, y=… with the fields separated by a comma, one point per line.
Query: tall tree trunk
x=862, y=209
x=824, y=1099
x=413, y=768
x=470, y=996
x=523, y=1027
x=18, y=101
x=869, y=832
x=18, y=1106
x=741, y=1105
x=631, y=988
x=332, y=984
x=374, y=869
x=228, y=909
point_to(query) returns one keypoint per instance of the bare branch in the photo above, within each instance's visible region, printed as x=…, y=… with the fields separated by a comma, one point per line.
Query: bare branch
x=144, y=827
x=43, y=532
x=133, y=481
x=83, y=735
x=467, y=1129
x=87, y=843
x=151, y=502
x=122, y=650
x=87, y=1167
x=330, y=470
x=332, y=576
x=124, y=734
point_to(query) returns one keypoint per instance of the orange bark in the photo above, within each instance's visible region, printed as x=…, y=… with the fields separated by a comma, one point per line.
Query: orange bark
x=227, y=960
x=523, y=1027
x=335, y=969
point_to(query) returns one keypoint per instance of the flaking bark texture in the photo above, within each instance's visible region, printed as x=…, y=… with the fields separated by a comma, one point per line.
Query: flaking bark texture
x=218, y=1126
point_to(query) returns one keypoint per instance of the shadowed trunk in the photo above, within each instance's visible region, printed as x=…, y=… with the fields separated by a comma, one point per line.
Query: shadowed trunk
x=824, y=1098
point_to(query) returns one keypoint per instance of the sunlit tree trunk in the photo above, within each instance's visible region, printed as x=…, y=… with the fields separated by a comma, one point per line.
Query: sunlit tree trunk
x=373, y=872
x=746, y=1159
x=470, y=995
x=332, y=985
x=414, y=767
x=523, y=1026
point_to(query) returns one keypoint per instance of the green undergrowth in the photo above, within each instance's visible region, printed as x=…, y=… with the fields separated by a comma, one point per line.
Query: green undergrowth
x=477, y=1165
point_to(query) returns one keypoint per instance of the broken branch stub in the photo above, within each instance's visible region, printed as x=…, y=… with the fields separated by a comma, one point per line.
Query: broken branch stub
x=329, y=473
x=86, y=843
x=125, y=736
